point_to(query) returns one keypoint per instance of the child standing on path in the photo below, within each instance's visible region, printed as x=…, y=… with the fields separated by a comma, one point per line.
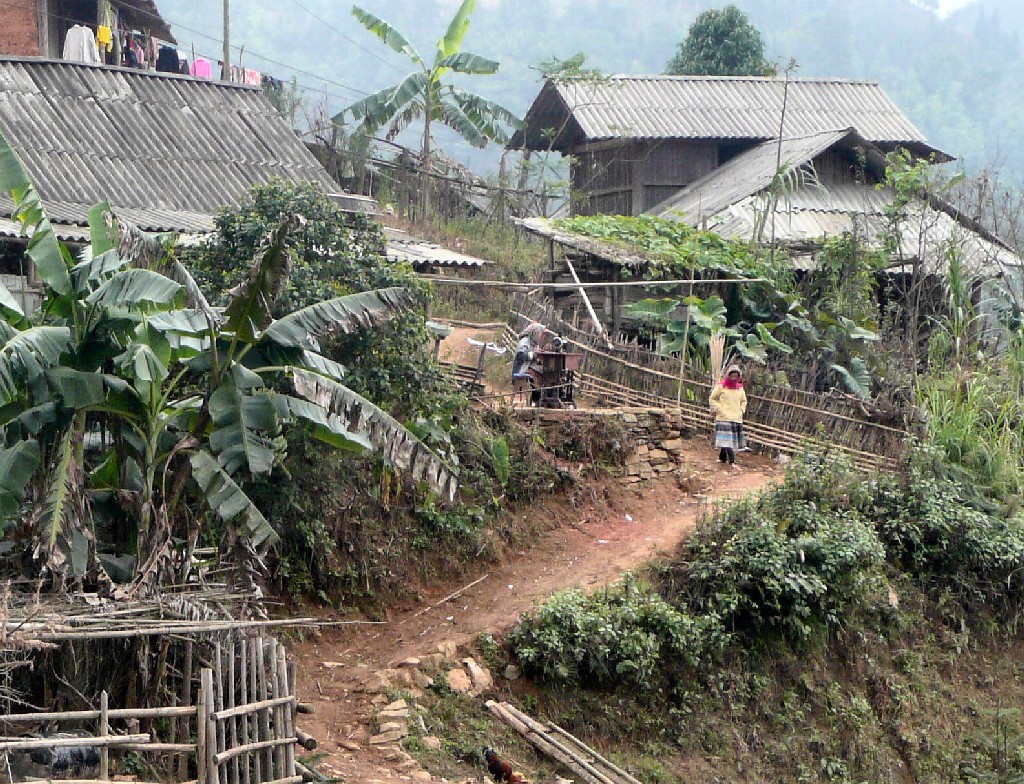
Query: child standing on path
x=729, y=404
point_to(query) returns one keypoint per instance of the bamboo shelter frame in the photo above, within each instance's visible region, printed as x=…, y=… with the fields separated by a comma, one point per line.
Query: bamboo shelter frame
x=243, y=718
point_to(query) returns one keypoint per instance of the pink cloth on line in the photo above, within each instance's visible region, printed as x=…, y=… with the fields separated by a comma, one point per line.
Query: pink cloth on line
x=202, y=68
x=253, y=77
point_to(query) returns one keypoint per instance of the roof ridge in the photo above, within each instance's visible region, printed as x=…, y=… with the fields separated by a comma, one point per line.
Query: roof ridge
x=711, y=78
x=140, y=73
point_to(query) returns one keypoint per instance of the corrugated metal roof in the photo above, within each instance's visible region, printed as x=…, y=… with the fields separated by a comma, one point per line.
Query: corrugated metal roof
x=747, y=173
x=710, y=107
x=166, y=150
x=424, y=255
x=812, y=215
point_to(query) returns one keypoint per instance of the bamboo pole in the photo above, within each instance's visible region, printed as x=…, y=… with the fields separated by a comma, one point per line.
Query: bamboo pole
x=270, y=656
x=264, y=715
x=57, y=743
x=212, y=776
x=243, y=695
x=186, y=699
x=586, y=300
x=221, y=730
x=96, y=781
x=286, y=711
x=165, y=629
x=577, y=284
x=104, y=733
x=230, y=703
x=587, y=750
x=257, y=763
x=115, y=713
x=541, y=742
x=252, y=707
x=201, y=740
x=161, y=747
x=307, y=741
x=274, y=743
x=536, y=728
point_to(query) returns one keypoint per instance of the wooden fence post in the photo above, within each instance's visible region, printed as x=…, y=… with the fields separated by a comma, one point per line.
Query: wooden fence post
x=212, y=773
x=201, y=740
x=104, y=732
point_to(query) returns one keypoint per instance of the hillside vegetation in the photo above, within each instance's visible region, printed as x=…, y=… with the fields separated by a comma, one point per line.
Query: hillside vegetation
x=955, y=78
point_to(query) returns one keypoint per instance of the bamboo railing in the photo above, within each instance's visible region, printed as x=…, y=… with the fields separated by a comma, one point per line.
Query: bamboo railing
x=788, y=420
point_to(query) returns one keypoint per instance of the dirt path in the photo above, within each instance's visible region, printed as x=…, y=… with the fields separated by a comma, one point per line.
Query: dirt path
x=618, y=528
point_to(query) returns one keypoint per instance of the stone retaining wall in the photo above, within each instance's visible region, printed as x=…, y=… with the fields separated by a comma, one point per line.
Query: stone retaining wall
x=651, y=440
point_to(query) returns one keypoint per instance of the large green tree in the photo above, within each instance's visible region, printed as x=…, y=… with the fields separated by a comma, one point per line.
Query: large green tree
x=426, y=92
x=721, y=42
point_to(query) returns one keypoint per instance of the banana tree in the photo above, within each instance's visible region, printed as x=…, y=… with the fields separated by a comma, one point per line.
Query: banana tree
x=425, y=93
x=126, y=395
x=705, y=319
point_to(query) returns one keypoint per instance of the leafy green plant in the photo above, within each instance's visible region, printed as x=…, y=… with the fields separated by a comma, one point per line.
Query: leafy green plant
x=168, y=397
x=622, y=636
x=426, y=94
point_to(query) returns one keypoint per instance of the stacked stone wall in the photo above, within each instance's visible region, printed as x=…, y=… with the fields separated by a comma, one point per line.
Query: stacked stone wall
x=651, y=441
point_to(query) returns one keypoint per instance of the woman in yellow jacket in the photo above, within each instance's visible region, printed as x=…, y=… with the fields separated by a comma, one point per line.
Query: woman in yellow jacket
x=729, y=404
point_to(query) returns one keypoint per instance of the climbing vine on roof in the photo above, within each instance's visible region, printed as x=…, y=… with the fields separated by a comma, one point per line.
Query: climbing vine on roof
x=674, y=249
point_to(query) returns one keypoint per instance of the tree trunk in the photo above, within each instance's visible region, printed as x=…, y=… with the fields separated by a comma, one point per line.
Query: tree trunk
x=425, y=161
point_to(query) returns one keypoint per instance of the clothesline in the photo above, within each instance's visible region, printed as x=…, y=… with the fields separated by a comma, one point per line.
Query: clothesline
x=143, y=51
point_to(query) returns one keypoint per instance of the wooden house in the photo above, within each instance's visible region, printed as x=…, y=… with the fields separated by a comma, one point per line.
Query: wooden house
x=705, y=150
x=634, y=141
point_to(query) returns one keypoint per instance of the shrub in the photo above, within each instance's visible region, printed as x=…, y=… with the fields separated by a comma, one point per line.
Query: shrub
x=934, y=529
x=334, y=253
x=791, y=559
x=625, y=636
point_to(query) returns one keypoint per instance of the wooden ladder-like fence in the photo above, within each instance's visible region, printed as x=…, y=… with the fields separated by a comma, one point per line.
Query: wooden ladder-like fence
x=242, y=720
x=792, y=421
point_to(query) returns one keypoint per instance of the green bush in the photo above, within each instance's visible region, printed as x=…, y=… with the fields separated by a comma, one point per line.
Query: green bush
x=334, y=253
x=934, y=530
x=626, y=636
x=787, y=561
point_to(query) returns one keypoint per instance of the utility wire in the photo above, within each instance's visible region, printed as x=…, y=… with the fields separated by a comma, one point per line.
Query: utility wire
x=348, y=38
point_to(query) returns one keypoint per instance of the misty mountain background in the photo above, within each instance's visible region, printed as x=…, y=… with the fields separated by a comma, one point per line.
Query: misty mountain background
x=957, y=77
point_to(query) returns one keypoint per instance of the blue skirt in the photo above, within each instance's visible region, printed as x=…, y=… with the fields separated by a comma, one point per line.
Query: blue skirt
x=730, y=435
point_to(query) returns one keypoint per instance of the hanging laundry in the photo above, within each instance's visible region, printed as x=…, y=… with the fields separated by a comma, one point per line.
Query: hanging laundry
x=80, y=46
x=167, y=60
x=129, y=55
x=140, y=56
x=202, y=68
x=252, y=77
x=183, y=67
x=104, y=38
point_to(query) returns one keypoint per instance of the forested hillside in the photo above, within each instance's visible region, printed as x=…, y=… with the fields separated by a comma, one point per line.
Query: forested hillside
x=957, y=78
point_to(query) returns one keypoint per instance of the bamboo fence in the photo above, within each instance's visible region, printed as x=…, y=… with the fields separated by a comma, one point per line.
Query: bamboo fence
x=788, y=420
x=242, y=721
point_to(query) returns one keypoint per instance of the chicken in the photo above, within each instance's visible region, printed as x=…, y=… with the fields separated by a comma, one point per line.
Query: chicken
x=501, y=770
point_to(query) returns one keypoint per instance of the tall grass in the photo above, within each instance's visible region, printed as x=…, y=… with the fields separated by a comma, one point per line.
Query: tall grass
x=976, y=419
x=515, y=256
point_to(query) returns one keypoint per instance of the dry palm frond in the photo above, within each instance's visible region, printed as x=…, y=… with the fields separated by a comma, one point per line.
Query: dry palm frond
x=717, y=345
